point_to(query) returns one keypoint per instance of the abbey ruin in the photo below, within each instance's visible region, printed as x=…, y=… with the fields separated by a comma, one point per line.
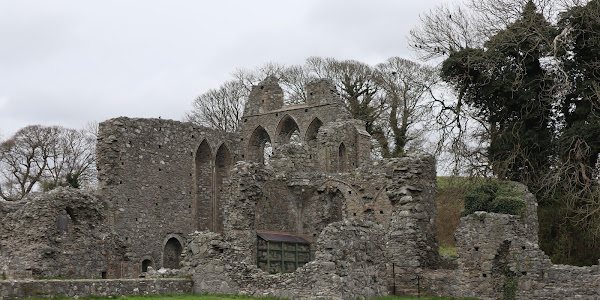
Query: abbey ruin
x=317, y=218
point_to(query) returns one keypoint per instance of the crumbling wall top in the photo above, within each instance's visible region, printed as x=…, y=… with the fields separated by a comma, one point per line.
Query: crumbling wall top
x=266, y=96
x=321, y=91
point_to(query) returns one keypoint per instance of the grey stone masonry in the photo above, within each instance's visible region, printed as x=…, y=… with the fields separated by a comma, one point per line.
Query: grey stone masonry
x=411, y=239
x=322, y=91
x=499, y=258
x=266, y=120
x=161, y=179
x=349, y=264
x=392, y=200
x=62, y=233
x=21, y=289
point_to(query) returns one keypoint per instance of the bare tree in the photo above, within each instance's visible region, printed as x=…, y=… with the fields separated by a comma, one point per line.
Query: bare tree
x=446, y=29
x=356, y=82
x=220, y=108
x=392, y=98
x=53, y=156
x=24, y=159
x=72, y=162
x=406, y=87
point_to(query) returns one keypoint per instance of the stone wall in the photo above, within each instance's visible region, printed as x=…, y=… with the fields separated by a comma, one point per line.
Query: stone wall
x=349, y=264
x=20, y=289
x=266, y=119
x=359, y=223
x=62, y=233
x=412, y=240
x=499, y=258
x=162, y=180
x=284, y=198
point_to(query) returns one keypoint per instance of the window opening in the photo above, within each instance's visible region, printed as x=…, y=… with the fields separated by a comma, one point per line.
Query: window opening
x=342, y=158
x=267, y=152
x=259, y=145
x=288, y=131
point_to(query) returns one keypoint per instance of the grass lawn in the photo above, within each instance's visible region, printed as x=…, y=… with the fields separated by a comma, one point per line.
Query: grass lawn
x=227, y=297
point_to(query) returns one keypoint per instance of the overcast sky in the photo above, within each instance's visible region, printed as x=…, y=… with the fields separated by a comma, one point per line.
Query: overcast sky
x=70, y=62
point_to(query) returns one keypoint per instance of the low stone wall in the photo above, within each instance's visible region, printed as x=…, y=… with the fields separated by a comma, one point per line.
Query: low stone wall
x=18, y=289
x=497, y=259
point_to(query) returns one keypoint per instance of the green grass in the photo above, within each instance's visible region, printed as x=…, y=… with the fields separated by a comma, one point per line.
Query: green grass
x=229, y=297
x=171, y=297
x=448, y=251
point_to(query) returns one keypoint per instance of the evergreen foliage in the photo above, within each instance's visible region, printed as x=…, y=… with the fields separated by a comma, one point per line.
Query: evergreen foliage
x=507, y=86
x=495, y=196
x=536, y=87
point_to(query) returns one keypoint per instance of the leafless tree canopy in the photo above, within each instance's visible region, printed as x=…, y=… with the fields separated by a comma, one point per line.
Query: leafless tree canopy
x=446, y=29
x=391, y=98
x=219, y=108
x=52, y=155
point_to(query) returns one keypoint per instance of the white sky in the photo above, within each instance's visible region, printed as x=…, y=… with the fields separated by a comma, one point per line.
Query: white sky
x=70, y=62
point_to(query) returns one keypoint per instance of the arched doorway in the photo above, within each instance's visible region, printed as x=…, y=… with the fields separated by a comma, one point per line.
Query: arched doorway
x=172, y=254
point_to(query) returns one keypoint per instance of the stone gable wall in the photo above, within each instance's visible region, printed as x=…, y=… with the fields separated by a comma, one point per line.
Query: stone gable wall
x=265, y=111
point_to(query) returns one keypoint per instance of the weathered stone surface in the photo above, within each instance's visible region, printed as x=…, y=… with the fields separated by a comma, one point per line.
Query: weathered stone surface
x=349, y=263
x=498, y=257
x=20, y=289
x=164, y=179
x=183, y=200
x=62, y=233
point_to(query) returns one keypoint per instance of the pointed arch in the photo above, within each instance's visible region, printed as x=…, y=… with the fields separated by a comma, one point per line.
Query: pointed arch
x=342, y=158
x=286, y=128
x=311, y=132
x=203, y=185
x=256, y=144
x=223, y=162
